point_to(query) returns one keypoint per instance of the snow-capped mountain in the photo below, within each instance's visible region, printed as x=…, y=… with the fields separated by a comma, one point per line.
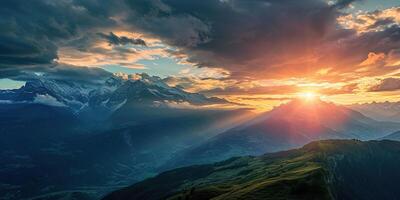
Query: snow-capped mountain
x=108, y=95
x=152, y=90
x=98, y=131
x=52, y=92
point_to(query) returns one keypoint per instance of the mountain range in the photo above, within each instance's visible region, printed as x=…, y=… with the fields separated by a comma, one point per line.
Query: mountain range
x=70, y=139
x=330, y=169
x=109, y=95
x=287, y=126
x=59, y=135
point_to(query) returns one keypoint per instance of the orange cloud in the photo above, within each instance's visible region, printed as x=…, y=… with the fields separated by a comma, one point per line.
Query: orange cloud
x=101, y=53
x=373, y=59
x=371, y=21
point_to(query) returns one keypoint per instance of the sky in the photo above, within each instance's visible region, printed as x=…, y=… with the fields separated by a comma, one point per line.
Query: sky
x=257, y=53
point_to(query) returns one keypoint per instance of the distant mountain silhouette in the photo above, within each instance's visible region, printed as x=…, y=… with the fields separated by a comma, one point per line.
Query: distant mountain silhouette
x=287, y=126
x=383, y=111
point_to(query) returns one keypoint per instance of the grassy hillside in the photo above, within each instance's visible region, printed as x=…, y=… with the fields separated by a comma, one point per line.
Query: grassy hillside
x=331, y=169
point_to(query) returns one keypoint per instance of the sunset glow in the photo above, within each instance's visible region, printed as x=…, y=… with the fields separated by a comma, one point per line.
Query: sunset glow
x=96, y=95
x=308, y=96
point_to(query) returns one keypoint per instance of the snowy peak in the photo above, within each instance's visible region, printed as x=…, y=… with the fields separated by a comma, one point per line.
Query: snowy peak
x=113, y=81
x=70, y=94
x=110, y=94
x=149, y=90
x=143, y=78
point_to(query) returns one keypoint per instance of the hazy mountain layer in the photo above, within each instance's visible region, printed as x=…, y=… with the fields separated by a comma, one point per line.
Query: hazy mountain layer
x=384, y=111
x=288, y=126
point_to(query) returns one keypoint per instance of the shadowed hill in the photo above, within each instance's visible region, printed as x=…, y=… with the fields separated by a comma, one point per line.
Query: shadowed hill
x=331, y=169
x=394, y=136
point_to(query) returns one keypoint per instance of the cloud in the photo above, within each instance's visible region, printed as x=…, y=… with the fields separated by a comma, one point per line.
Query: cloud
x=41, y=34
x=238, y=35
x=86, y=75
x=198, y=84
x=373, y=58
x=266, y=87
x=120, y=48
x=381, y=23
x=374, y=21
x=116, y=40
x=342, y=3
x=166, y=20
x=350, y=88
x=393, y=58
x=268, y=98
x=102, y=55
x=388, y=84
x=30, y=32
x=233, y=43
x=265, y=38
x=15, y=50
x=238, y=89
x=47, y=100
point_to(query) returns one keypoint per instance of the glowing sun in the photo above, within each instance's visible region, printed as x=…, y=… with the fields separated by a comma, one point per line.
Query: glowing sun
x=309, y=96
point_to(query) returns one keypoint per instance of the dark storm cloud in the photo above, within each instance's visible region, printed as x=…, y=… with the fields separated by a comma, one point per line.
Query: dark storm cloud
x=77, y=74
x=234, y=32
x=343, y=3
x=258, y=37
x=85, y=75
x=84, y=42
x=116, y=40
x=171, y=21
x=30, y=31
x=15, y=50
